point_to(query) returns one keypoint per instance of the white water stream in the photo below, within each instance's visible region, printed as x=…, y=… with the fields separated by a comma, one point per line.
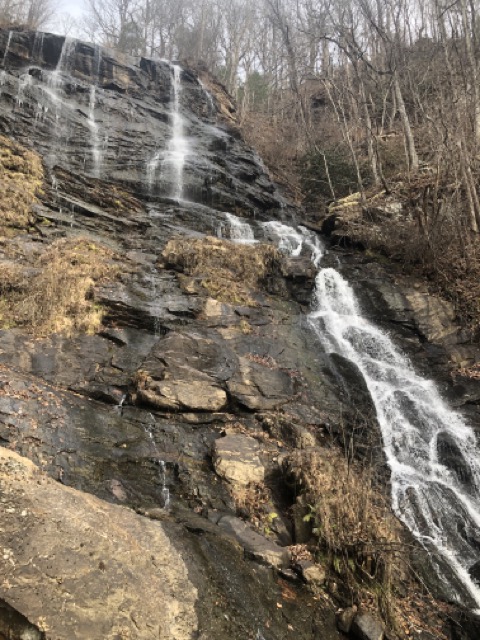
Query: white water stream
x=7, y=48
x=173, y=159
x=162, y=469
x=94, y=137
x=431, y=451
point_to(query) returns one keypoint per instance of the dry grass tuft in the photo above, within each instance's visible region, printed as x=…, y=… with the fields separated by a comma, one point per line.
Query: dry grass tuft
x=21, y=177
x=228, y=272
x=357, y=533
x=57, y=294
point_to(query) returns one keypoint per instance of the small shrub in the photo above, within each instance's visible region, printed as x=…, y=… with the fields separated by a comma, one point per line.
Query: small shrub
x=228, y=272
x=21, y=178
x=57, y=295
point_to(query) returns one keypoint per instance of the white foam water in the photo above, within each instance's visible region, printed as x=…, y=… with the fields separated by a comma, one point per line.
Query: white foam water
x=94, y=137
x=173, y=158
x=7, y=48
x=239, y=231
x=178, y=147
x=430, y=449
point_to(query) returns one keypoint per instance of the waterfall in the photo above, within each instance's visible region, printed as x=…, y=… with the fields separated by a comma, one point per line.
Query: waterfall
x=211, y=104
x=432, y=453
x=239, y=230
x=7, y=48
x=94, y=138
x=37, y=49
x=287, y=238
x=430, y=495
x=178, y=148
x=55, y=79
x=24, y=81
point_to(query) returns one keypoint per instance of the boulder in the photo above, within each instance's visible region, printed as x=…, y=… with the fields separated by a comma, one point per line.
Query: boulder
x=256, y=546
x=434, y=316
x=345, y=618
x=236, y=460
x=259, y=388
x=313, y=574
x=78, y=567
x=188, y=395
x=366, y=627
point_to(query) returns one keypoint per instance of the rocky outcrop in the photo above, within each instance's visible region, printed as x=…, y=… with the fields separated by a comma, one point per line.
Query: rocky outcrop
x=236, y=459
x=110, y=117
x=98, y=570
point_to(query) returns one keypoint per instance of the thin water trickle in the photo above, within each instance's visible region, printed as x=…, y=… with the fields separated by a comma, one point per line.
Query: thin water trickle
x=94, y=137
x=55, y=80
x=162, y=473
x=211, y=104
x=7, y=48
x=437, y=498
x=37, y=49
x=24, y=82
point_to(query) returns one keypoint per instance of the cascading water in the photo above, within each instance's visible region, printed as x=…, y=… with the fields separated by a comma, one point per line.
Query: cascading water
x=7, y=48
x=24, y=82
x=37, y=49
x=436, y=500
x=432, y=453
x=239, y=230
x=161, y=465
x=211, y=104
x=94, y=137
x=177, y=149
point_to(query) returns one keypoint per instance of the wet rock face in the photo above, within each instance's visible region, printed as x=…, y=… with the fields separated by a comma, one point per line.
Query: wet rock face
x=88, y=109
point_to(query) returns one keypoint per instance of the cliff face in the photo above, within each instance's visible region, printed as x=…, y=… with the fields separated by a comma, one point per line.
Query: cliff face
x=108, y=116
x=156, y=367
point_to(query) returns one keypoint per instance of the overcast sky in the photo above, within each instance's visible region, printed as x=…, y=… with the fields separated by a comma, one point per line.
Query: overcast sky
x=75, y=7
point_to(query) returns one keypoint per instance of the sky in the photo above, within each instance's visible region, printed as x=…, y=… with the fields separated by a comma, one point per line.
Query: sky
x=75, y=7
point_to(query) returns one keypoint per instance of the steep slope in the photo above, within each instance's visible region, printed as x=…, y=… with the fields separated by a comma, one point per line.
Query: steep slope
x=156, y=355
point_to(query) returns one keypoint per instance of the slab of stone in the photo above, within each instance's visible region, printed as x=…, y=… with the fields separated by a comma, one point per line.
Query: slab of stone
x=189, y=395
x=77, y=567
x=236, y=460
x=259, y=388
x=256, y=546
x=434, y=316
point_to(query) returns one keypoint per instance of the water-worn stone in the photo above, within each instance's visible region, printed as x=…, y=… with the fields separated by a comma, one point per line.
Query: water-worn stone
x=345, y=618
x=434, y=316
x=366, y=627
x=99, y=570
x=236, y=459
x=312, y=573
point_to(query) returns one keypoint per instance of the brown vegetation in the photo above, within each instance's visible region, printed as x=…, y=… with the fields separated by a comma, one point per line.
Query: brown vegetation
x=363, y=545
x=228, y=272
x=55, y=294
x=21, y=177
